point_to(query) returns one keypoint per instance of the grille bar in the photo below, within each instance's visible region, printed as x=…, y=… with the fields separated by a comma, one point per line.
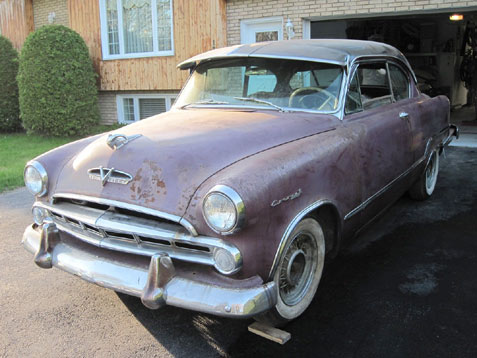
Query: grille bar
x=137, y=235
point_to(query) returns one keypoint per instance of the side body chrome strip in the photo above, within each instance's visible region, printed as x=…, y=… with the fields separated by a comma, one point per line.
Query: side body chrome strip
x=365, y=203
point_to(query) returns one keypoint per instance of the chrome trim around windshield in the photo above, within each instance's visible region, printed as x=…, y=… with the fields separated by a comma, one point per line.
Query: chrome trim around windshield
x=249, y=107
x=188, y=64
x=122, y=205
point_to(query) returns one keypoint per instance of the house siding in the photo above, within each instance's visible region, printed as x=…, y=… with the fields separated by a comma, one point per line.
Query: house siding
x=43, y=8
x=296, y=11
x=198, y=26
x=16, y=20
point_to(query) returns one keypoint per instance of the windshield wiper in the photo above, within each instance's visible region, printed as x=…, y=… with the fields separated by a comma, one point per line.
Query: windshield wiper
x=256, y=100
x=205, y=101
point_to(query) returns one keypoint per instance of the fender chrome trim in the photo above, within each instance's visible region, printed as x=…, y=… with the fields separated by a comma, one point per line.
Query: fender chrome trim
x=290, y=228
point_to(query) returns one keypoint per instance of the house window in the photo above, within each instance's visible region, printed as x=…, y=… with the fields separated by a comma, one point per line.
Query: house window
x=136, y=28
x=132, y=108
x=262, y=29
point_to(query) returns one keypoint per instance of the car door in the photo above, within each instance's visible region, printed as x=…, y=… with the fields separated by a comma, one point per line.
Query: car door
x=381, y=125
x=407, y=99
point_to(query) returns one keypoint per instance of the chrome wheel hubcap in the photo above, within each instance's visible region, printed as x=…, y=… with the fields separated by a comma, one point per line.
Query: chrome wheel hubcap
x=298, y=268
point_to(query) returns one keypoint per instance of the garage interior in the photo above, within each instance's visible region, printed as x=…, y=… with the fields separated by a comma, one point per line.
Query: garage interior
x=438, y=48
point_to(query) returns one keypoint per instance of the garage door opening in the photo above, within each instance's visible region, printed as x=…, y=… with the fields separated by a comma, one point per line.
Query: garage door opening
x=434, y=45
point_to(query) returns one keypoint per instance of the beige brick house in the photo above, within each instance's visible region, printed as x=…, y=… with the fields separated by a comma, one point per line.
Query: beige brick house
x=421, y=29
x=136, y=44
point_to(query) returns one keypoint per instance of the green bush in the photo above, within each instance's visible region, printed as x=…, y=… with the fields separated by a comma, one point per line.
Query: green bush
x=57, y=83
x=9, y=110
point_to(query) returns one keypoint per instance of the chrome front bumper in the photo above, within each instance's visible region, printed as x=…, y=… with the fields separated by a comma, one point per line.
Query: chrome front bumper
x=156, y=283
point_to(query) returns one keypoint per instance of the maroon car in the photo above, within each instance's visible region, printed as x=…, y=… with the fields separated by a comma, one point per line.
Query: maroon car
x=228, y=204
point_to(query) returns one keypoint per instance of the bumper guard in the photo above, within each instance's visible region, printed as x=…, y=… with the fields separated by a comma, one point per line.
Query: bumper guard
x=157, y=285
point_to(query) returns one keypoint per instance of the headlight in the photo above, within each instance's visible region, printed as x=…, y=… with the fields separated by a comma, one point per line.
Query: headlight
x=36, y=178
x=223, y=210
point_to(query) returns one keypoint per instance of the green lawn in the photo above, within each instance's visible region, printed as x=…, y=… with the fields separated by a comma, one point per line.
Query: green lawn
x=18, y=148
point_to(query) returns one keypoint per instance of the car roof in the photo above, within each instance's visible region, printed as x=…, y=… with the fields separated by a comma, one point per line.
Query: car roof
x=334, y=51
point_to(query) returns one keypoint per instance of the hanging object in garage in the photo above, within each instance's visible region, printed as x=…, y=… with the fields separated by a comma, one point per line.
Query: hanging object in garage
x=468, y=69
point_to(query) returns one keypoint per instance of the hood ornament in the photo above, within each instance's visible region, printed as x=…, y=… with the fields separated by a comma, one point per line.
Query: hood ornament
x=116, y=141
x=109, y=175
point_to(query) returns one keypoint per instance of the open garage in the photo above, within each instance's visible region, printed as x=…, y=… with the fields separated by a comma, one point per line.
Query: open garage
x=438, y=46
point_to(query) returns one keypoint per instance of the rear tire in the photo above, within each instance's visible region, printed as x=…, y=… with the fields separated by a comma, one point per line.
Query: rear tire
x=298, y=273
x=425, y=185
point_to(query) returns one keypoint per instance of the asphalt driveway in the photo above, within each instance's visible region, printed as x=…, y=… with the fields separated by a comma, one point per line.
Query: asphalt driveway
x=405, y=287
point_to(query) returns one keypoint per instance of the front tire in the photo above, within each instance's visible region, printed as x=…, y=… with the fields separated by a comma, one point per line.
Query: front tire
x=298, y=273
x=425, y=185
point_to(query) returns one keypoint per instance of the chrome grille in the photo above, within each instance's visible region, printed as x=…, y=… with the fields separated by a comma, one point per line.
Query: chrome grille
x=63, y=214
x=136, y=230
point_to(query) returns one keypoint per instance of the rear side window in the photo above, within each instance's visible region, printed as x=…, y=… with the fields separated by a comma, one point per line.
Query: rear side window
x=374, y=85
x=399, y=83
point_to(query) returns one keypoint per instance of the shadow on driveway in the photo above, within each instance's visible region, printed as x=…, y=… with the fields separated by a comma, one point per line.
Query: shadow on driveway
x=406, y=287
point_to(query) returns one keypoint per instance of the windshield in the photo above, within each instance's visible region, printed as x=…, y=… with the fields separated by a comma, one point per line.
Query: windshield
x=260, y=82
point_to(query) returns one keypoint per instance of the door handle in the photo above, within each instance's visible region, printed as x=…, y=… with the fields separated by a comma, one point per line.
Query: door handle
x=404, y=115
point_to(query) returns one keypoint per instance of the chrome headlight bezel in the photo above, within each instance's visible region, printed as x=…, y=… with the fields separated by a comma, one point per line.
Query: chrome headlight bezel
x=237, y=202
x=43, y=178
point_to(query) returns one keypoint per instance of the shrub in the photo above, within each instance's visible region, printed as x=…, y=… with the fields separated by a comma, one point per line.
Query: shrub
x=9, y=110
x=57, y=83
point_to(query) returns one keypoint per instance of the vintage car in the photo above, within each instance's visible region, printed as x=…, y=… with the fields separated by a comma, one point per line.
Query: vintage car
x=229, y=203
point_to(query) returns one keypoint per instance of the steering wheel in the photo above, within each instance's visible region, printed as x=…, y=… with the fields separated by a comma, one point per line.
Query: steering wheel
x=304, y=102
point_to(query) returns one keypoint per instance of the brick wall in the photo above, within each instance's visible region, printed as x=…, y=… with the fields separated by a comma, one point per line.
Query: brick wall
x=296, y=10
x=42, y=8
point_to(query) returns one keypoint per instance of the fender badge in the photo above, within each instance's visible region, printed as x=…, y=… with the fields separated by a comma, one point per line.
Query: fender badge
x=287, y=198
x=116, y=141
x=107, y=175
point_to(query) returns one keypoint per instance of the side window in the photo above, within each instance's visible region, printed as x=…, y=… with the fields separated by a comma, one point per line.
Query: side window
x=353, y=97
x=259, y=81
x=399, y=83
x=374, y=85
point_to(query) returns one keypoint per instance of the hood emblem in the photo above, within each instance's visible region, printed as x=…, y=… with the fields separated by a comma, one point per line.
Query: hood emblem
x=116, y=141
x=109, y=175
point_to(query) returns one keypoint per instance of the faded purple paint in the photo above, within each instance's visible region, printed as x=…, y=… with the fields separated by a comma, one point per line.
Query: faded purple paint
x=264, y=155
x=181, y=149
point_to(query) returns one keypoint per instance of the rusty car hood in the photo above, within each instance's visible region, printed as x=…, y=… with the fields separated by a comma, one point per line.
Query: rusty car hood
x=178, y=150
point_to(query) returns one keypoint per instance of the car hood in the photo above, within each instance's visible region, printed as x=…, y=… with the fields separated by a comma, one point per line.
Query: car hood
x=178, y=150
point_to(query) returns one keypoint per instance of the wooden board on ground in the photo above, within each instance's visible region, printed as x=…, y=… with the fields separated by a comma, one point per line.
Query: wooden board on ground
x=268, y=332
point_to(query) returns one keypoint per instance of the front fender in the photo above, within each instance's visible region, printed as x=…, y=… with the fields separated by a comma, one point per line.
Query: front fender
x=277, y=185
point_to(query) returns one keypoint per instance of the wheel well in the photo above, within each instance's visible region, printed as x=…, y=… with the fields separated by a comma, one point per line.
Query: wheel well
x=328, y=217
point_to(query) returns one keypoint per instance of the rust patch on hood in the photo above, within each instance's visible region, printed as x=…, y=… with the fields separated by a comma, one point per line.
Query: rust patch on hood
x=147, y=183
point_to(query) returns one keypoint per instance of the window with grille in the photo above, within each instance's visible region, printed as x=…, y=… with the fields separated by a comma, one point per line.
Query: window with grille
x=136, y=28
x=133, y=108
